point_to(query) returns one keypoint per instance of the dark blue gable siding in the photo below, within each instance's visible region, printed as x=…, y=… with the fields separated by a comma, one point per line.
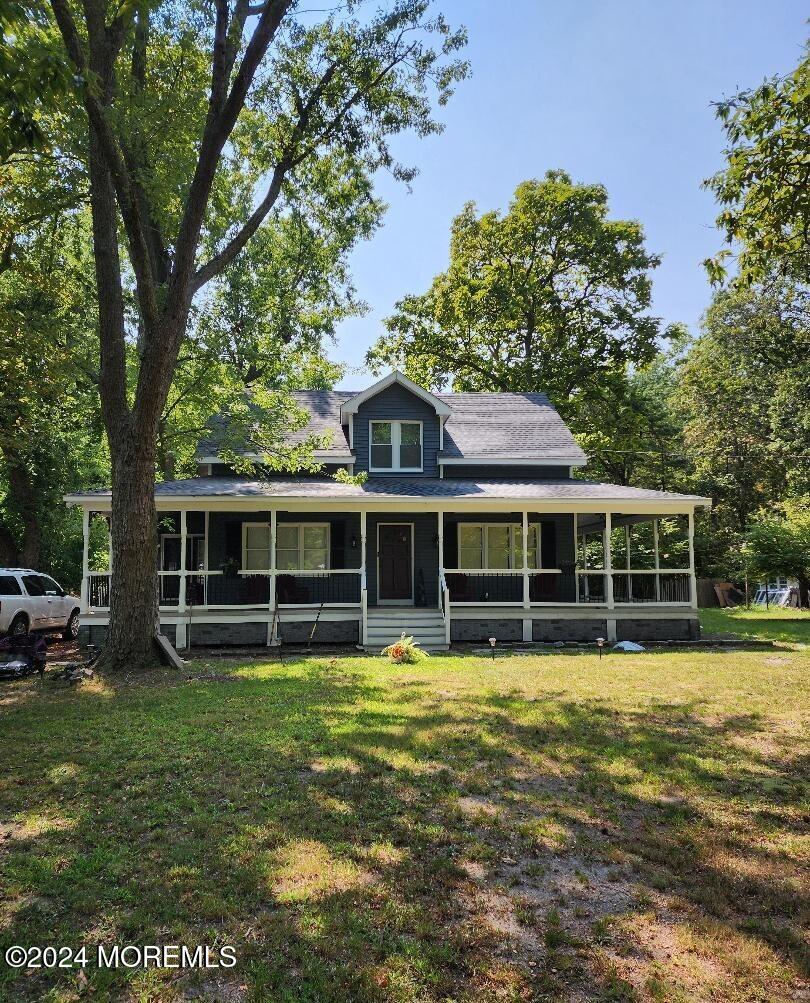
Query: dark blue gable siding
x=395, y=403
x=493, y=472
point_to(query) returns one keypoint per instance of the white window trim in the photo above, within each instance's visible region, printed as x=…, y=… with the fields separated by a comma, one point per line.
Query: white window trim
x=396, y=432
x=514, y=528
x=273, y=556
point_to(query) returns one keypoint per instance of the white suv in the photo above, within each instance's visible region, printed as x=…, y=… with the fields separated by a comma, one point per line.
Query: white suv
x=33, y=601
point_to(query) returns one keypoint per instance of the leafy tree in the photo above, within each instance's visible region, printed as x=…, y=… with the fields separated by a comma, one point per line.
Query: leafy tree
x=262, y=333
x=739, y=393
x=50, y=429
x=765, y=186
x=780, y=547
x=634, y=435
x=200, y=122
x=553, y=295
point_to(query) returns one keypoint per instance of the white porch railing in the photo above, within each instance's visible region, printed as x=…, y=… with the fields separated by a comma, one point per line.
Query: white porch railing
x=635, y=586
x=538, y=587
x=294, y=587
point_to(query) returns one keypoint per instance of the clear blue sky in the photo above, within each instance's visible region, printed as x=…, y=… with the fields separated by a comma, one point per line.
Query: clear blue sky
x=613, y=91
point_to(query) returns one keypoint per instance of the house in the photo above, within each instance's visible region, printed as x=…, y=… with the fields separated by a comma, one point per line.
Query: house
x=470, y=525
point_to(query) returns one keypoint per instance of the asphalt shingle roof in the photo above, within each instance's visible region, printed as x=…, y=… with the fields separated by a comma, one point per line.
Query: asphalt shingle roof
x=518, y=426
x=382, y=488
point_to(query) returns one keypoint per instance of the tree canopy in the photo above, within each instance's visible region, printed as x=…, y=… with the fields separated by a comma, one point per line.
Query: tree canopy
x=765, y=186
x=191, y=126
x=553, y=295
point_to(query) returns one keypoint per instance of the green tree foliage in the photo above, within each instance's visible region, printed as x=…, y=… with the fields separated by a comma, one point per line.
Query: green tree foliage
x=634, y=434
x=739, y=395
x=551, y=295
x=50, y=428
x=765, y=186
x=198, y=122
x=779, y=547
x=265, y=330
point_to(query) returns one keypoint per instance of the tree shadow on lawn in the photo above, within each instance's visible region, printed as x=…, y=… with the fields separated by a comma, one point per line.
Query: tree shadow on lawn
x=360, y=842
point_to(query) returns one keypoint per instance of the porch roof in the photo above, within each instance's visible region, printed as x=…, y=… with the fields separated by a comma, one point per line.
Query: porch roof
x=397, y=489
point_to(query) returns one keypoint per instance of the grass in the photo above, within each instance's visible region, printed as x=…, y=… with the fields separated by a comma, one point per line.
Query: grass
x=547, y=827
x=791, y=626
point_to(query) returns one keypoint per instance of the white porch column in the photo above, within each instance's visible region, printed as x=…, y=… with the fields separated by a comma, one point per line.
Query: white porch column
x=272, y=626
x=692, y=581
x=576, y=558
x=657, y=559
x=85, y=594
x=363, y=582
x=181, y=600
x=440, y=518
x=363, y=543
x=525, y=529
x=608, y=560
x=273, y=528
x=627, y=563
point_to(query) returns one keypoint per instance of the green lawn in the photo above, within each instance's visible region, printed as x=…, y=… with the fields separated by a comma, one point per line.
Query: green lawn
x=787, y=625
x=549, y=827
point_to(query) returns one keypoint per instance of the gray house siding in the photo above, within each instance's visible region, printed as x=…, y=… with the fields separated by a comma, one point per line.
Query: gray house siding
x=482, y=471
x=395, y=403
x=425, y=551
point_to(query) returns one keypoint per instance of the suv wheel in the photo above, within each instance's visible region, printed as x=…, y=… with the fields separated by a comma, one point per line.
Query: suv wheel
x=19, y=625
x=71, y=631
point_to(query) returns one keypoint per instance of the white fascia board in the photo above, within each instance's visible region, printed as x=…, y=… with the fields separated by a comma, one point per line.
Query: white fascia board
x=351, y=406
x=512, y=461
x=219, y=503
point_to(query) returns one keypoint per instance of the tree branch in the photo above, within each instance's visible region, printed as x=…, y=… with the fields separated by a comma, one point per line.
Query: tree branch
x=109, y=148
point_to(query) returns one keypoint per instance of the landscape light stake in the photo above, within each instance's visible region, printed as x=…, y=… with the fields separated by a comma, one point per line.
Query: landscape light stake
x=492, y=646
x=600, y=643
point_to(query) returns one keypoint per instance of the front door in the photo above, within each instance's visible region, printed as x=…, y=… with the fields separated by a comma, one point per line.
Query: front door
x=395, y=563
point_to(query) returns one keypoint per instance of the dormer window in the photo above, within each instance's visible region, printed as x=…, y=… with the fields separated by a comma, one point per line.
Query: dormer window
x=396, y=446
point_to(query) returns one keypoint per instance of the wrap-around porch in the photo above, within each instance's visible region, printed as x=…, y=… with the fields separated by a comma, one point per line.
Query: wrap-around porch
x=523, y=574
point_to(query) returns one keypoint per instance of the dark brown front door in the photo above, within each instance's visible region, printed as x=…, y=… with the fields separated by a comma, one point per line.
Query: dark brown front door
x=395, y=556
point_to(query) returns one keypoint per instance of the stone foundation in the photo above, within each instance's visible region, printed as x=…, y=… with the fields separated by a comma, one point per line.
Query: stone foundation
x=568, y=630
x=327, y=632
x=658, y=630
x=481, y=630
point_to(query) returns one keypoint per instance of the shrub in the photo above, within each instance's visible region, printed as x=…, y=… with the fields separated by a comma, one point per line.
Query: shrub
x=405, y=650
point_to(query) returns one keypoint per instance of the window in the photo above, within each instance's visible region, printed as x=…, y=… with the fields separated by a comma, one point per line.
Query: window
x=256, y=541
x=50, y=586
x=34, y=585
x=9, y=586
x=303, y=546
x=496, y=546
x=396, y=445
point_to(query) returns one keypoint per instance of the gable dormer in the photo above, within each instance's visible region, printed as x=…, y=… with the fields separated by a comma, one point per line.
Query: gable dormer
x=395, y=428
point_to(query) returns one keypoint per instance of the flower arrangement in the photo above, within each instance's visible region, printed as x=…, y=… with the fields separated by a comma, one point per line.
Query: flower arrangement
x=405, y=650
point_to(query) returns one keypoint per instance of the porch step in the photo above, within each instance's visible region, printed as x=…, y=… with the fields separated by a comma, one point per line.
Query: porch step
x=384, y=627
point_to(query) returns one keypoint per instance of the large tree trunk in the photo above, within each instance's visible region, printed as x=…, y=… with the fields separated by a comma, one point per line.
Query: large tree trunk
x=134, y=616
x=804, y=593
